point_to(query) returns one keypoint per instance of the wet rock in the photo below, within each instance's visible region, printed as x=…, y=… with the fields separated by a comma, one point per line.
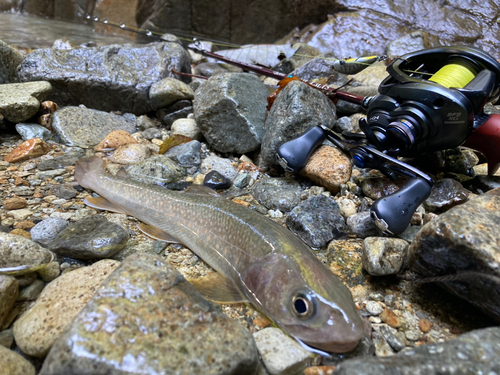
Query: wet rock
x=144, y=122
x=482, y=184
x=209, y=69
x=169, y=118
x=445, y=194
x=62, y=161
x=6, y=338
x=362, y=225
x=349, y=123
x=296, y=108
x=328, y=167
x=412, y=42
x=90, y=238
x=242, y=180
x=382, y=347
x=477, y=350
x=46, y=230
x=10, y=58
x=9, y=291
x=277, y=193
x=109, y=78
x=221, y=165
x=13, y=363
x=158, y=169
x=187, y=127
x=230, y=110
x=394, y=338
x=14, y=203
x=83, y=127
x=28, y=131
x=32, y=291
x=384, y=256
x=114, y=140
x=31, y=148
x=131, y=153
x=157, y=302
x=280, y=353
x=20, y=101
x=167, y=91
x=321, y=67
x=464, y=240
x=215, y=180
x=460, y=160
x=186, y=155
x=64, y=191
x=21, y=254
x=379, y=187
x=61, y=300
x=317, y=221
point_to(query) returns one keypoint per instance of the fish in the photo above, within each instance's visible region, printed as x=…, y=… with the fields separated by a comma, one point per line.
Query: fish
x=256, y=259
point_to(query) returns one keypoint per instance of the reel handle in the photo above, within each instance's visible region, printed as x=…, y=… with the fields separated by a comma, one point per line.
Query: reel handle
x=293, y=155
x=392, y=213
x=486, y=139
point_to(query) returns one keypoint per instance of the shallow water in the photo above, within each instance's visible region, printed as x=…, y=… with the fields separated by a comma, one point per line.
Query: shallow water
x=36, y=32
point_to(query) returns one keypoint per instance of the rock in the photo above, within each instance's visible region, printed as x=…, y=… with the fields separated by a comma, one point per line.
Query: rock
x=31, y=148
x=114, y=140
x=221, y=165
x=209, y=69
x=92, y=237
x=277, y=193
x=131, y=153
x=173, y=329
x=167, y=91
x=379, y=187
x=362, y=225
x=83, y=127
x=6, y=338
x=187, y=127
x=144, y=122
x=280, y=353
x=445, y=194
x=14, y=203
x=384, y=256
x=10, y=58
x=388, y=316
x=412, y=42
x=64, y=191
x=20, y=101
x=478, y=350
x=22, y=255
x=394, y=338
x=230, y=110
x=296, y=108
x=36, y=330
x=328, y=167
x=186, y=155
x=9, y=291
x=20, y=215
x=382, y=347
x=32, y=291
x=242, y=180
x=28, y=131
x=464, y=240
x=215, y=180
x=349, y=124
x=460, y=160
x=169, y=118
x=374, y=307
x=317, y=221
x=158, y=169
x=62, y=161
x=111, y=78
x=13, y=363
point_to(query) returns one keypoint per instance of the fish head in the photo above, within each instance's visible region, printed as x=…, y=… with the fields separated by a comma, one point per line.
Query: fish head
x=307, y=300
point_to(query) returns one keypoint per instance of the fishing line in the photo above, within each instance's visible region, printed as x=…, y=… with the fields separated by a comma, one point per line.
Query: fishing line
x=457, y=73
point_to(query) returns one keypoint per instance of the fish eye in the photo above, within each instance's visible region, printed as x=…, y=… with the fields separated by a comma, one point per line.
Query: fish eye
x=302, y=305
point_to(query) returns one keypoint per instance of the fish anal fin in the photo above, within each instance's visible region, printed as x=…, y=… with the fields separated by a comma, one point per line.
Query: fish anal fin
x=218, y=288
x=156, y=233
x=101, y=203
x=201, y=190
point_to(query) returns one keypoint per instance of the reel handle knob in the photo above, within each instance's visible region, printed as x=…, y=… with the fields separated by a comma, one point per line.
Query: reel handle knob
x=293, y=155
x=486, y=139
x=392, y=213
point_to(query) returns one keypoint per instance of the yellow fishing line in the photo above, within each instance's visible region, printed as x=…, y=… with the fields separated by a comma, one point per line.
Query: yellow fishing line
x=453, y=75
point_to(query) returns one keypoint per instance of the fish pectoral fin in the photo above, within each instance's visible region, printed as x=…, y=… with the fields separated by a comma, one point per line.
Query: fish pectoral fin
x=101, y=203
x=201, y=190
x=218, y=288
x=156, y=233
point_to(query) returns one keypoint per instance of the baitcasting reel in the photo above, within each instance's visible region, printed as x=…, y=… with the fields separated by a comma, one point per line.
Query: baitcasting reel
x=432, y=100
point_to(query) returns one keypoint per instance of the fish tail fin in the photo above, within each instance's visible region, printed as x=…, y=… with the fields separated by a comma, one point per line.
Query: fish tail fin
x=86, y=169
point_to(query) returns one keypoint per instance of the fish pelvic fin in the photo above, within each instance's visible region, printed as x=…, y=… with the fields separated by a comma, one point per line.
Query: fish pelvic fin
x=101, y=203
x=218, y=288
x=86, y=168
x=156, y=233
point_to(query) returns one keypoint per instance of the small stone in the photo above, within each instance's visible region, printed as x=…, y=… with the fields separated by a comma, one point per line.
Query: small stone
x=28, y=131
x=242, y=180
x=24, y=225
x=187, y=127
x=31, y=148
x=14, y=203
x=31, y=292
x=374, y=307
x=384, y=256
x=379, y=187
x=131, y=153
x=221, y=165
x=20, y=101
x=390, y=318
x=50, y=272
x=319, y=370
x=20, y=232
x=424, y=325
x=445, y=194
x=13, y=363
x=382, y=347
x=167, y=91
x=158, y=169
x=277, y=193
x=262, y=322
x=6, y=338
x=64, y=191
x=114, y=140
x=215, y=180
x=186, y=155
x=280, y=353
x=9, y=291
x=21, y=214
x=362, y=225
x=394, y=338
x=412, y=335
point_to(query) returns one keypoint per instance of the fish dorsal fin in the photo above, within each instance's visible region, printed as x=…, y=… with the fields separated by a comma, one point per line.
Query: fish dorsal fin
x=218, y=288
x=101, y=203
x=156, y=233
x=201, y=190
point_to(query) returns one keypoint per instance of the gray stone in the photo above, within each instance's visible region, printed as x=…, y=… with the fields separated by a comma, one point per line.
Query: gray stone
x=230, y=110
x=46, y=230
x=349, y=123
x=10, y=58
x=83, y=127
x=317, y=221
x=62, y=161
x=169, y=118
x=374, y=308
x=445, y=194
x=186, y=155
x=382, y=347
x=277, y=193
x=475, y=352
x=173, y=329
x=144, y=122
x=6, y=338
x=20, y=101
x=464, y=240
x=242, y=180
x=90, y=238
x=362, y=225
x=156, y=170
x=9, y=291
x=394, y=338
x=32, y=291
x=384, y=256
x=221, y=165
x=64, y=191
x=280, y=353
x=13, y=363
x=209, y=69
x=296, y=108
x=111, y=78
x=167, y=91
x=412, y=42
x=28, y=131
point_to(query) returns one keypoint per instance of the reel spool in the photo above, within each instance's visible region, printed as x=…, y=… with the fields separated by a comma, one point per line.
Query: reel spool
x=430, y=99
